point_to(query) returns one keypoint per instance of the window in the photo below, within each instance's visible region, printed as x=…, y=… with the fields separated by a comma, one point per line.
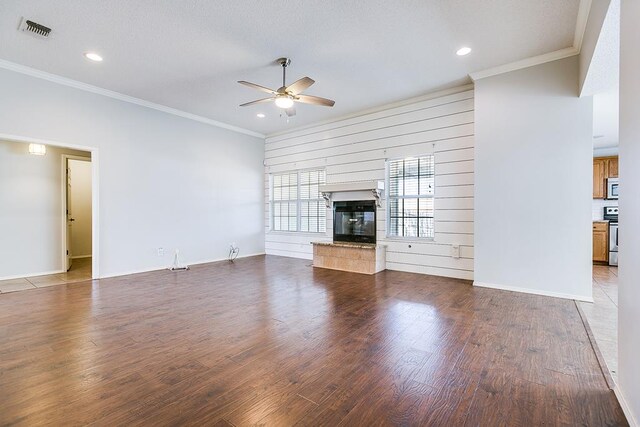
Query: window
x=410, y=200
x=296, y=202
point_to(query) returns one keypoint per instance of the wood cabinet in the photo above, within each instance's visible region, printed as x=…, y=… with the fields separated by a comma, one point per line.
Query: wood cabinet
x=601, y=241
x=603, y=168
x=599, y=178
x=612, y=165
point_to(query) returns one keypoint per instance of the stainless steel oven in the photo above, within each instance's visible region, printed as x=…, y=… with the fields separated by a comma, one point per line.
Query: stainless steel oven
x=612, y=188
x=613, y=243
x=611, y=215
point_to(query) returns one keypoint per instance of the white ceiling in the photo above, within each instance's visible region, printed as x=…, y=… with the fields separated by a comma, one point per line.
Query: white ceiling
x=603, y=78
x=189, y=54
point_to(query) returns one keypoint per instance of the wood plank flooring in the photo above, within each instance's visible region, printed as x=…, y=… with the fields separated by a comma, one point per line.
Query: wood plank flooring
x=272, y=341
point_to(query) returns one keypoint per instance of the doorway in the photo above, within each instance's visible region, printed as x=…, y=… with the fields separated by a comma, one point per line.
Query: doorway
x=77, y=214
x=602, y=85
x=33, y=173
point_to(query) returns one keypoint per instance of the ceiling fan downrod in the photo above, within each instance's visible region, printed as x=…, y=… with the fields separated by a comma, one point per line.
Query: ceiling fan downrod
x=285, y=62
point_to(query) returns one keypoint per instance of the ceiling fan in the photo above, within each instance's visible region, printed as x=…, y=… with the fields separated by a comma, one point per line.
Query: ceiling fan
x=286, y=96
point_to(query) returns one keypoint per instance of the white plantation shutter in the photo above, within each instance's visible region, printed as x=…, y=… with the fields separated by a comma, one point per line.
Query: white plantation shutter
x=296, y=202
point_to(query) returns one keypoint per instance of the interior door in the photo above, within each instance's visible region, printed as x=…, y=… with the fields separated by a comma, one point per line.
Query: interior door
x=69, y=217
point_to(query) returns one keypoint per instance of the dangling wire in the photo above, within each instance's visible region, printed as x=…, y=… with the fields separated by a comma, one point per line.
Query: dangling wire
x=233, y=252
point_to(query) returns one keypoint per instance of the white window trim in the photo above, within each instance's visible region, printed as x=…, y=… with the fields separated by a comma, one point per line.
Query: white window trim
x=388, y=198
x=298, y=204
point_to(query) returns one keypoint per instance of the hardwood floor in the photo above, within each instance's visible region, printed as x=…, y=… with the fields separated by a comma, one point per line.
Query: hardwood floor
x=271, y=341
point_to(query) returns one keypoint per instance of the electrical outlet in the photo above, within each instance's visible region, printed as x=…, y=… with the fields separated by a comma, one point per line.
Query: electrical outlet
x=160, y=251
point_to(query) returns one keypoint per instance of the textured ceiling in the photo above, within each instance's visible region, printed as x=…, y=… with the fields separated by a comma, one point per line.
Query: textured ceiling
x=188, y=54
x=603, y=78
x=604, y=69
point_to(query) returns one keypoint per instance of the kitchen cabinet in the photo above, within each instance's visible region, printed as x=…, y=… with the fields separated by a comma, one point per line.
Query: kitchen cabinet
x=603, y=168
x=612, y=165
x=600, y=241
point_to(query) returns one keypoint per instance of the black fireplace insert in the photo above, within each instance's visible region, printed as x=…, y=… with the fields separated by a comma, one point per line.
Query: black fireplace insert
x=354, y=221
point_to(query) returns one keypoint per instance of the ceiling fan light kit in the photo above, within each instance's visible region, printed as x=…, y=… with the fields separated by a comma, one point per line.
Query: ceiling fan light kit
x=284, y=101
x=286, y=96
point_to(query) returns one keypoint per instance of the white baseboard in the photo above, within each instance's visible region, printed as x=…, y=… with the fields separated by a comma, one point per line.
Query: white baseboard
x=41, y=273
x=81, y=256
x=625, y=407
x=532, y=291
x=160, y=268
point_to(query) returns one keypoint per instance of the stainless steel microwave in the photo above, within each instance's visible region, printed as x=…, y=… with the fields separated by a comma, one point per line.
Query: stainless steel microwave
x=612, y=188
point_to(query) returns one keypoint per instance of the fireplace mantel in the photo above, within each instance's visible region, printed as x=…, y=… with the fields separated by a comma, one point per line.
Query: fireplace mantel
x=375, y=187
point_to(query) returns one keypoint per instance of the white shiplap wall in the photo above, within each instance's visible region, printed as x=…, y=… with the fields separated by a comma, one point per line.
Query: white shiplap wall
x=356, y=149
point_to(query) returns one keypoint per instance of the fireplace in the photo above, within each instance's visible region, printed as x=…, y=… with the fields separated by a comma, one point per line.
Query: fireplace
x=354, y=221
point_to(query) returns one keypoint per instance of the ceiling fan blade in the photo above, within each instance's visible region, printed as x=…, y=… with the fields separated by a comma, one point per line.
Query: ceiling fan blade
x=258, y=101
x=255, y=86
x=299, y=86
x=290, y=112
x=315, y=100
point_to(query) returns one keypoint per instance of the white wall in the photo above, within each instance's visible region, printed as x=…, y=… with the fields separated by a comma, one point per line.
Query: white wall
x=164, y=181
x=80, y=195
x=629, y=269
x=355, y=149
x=31, y=214
x=605, y=152
x=533, y=188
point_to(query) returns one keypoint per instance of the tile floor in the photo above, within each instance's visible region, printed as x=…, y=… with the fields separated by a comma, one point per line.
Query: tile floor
x=602, y=314
x=80, y=271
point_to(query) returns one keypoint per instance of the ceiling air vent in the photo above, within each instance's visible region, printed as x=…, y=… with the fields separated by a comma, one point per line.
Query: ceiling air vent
x=35, y=28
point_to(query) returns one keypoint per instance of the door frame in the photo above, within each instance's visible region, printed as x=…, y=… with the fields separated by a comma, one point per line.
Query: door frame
x=95, y=196
x=65, y=165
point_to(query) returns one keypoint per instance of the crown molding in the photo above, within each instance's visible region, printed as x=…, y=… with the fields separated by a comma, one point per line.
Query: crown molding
x=377, y=109
x=581, y=24
x=525, y=63
x=22, y=69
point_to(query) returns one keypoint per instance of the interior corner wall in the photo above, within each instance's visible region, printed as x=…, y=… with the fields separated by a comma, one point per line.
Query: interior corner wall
x=31, y=218
x=629, y=268
x=164, y=181
x=533, y=183
x=356, y=149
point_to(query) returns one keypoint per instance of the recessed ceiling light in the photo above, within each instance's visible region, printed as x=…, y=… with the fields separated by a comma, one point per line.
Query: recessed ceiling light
x=261, y=115
x=463, y=51
x=93, y=56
